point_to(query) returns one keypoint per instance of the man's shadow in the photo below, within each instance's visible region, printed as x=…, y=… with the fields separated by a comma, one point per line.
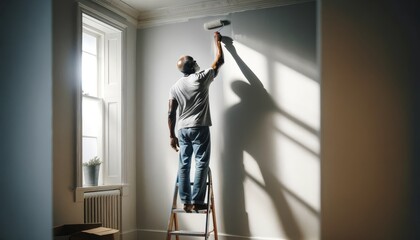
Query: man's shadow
x=249, y=128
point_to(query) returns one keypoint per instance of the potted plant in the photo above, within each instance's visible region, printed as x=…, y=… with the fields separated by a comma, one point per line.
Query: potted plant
x=91, y=171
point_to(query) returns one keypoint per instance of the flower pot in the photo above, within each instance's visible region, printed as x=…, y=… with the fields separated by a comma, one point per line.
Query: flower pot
x=91, y=175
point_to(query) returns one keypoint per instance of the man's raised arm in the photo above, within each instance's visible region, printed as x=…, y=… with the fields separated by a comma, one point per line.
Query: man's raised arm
x=218, y=62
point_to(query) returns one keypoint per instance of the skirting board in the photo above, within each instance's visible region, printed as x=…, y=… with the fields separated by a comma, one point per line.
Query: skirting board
x=143, y=234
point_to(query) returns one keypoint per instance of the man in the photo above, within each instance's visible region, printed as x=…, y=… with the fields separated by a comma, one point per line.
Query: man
x=190, y=95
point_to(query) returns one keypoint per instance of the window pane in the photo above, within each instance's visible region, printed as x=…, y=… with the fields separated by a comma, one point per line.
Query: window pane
x=89, y=43
x=90, y=148
x=89, y=74
x=92, y=117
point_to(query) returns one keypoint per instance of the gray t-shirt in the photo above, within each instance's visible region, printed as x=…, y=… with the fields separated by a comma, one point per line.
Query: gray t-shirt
x=192, y=95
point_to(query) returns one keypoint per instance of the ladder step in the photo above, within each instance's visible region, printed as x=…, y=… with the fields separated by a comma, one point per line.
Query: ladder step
x=187, y=233
x=180, y=210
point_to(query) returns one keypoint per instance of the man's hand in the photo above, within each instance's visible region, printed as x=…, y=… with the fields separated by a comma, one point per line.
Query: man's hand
x=217, y=37
x=175, y=143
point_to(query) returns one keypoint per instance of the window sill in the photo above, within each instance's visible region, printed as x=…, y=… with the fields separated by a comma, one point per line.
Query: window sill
x=79, y=192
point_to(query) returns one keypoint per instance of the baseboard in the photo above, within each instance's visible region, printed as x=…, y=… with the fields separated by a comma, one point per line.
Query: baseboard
x=148, y=234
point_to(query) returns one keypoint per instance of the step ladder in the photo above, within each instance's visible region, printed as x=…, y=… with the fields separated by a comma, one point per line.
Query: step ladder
x=173, y=228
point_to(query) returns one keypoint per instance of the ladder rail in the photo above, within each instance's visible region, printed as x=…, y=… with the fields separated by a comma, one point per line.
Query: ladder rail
x=209, y=192
x=173, y=219
x=213, y=209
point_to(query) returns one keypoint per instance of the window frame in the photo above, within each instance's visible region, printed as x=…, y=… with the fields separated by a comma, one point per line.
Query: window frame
x=96, y=14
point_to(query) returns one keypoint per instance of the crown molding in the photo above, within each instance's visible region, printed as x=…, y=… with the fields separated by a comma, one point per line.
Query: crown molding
x=120, y=8
x=185, y=12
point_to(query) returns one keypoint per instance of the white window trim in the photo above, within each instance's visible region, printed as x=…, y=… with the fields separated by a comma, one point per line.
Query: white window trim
x=79, y=188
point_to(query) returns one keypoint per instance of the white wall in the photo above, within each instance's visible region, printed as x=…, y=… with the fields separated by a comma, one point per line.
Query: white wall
x=26, y=119
x=129, y=198
x=65, y=71
x=266, y=120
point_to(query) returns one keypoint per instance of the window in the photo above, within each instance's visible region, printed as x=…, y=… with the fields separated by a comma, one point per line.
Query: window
x=101, y=105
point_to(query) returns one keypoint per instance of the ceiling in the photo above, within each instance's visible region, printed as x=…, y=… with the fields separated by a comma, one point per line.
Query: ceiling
x=146, y=13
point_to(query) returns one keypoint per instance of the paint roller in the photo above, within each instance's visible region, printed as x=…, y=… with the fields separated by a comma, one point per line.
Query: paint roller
x=216, y=24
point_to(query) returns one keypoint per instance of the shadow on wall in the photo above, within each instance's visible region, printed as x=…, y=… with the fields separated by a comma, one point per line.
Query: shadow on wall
x=248, y=129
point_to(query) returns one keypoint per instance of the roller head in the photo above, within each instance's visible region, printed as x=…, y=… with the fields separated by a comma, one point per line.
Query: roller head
x=215, y=24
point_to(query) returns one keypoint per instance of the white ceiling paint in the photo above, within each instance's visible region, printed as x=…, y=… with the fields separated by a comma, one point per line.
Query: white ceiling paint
x=148, y=13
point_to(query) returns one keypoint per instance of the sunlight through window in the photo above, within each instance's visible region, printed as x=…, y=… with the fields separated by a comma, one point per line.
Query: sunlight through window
x=286, y=103
x=298, y=95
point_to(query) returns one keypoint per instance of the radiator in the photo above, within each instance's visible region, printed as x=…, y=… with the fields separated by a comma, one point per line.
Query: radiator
x=103, y=207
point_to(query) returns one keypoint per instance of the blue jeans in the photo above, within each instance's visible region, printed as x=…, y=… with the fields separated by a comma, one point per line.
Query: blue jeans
x=193, y=140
